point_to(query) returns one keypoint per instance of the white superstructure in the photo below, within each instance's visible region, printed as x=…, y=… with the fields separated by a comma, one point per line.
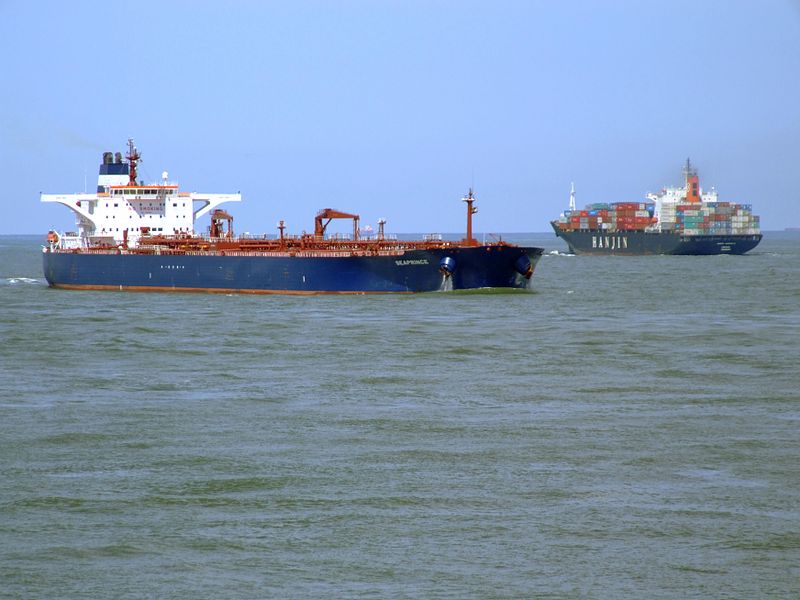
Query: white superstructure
x=694, y=212
x=122, y=210
x=667, y=200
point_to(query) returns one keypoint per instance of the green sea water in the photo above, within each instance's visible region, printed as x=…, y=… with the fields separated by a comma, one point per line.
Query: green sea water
x=628, y=429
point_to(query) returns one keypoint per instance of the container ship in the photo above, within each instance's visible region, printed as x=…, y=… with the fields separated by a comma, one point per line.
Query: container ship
x=679, y=220
x=132, y=236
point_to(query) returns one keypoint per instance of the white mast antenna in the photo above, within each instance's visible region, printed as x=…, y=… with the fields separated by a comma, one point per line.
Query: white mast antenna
x=572, y=196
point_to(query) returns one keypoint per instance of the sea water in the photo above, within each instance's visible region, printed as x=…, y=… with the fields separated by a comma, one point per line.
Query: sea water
x=630, y=428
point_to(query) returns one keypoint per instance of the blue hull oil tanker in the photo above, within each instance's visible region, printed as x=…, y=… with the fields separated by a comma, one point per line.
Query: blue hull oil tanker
x=679, y=220
x=139, y=237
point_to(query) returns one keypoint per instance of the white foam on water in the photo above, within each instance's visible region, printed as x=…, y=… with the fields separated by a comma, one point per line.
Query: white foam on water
x=21, y=281
x=447, y=284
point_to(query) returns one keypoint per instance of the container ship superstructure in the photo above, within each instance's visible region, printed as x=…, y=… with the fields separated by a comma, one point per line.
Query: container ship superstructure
x=677, y=220
x=132, y=236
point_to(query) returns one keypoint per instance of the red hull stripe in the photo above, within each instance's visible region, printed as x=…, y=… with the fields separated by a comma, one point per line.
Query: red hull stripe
x=143, y=288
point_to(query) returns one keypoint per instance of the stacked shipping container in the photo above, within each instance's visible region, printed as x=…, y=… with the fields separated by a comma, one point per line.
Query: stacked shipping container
x=710, y=218
x=615, y=216
x=696, y=218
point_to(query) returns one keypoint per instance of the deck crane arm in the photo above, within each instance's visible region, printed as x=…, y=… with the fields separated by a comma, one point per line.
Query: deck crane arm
x=326, y=215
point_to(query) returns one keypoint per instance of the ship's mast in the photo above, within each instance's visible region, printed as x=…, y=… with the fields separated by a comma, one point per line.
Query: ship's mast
x=687, y=170
x=133, y=157
x=471, y=210
x=572, y=196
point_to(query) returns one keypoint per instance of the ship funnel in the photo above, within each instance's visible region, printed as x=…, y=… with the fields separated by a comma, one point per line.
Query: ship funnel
x=692, y=183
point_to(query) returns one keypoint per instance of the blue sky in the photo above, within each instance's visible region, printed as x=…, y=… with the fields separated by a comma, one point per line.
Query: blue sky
x=394, y=109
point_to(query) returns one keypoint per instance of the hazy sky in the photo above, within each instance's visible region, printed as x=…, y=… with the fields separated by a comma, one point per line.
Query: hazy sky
x=395, y=108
